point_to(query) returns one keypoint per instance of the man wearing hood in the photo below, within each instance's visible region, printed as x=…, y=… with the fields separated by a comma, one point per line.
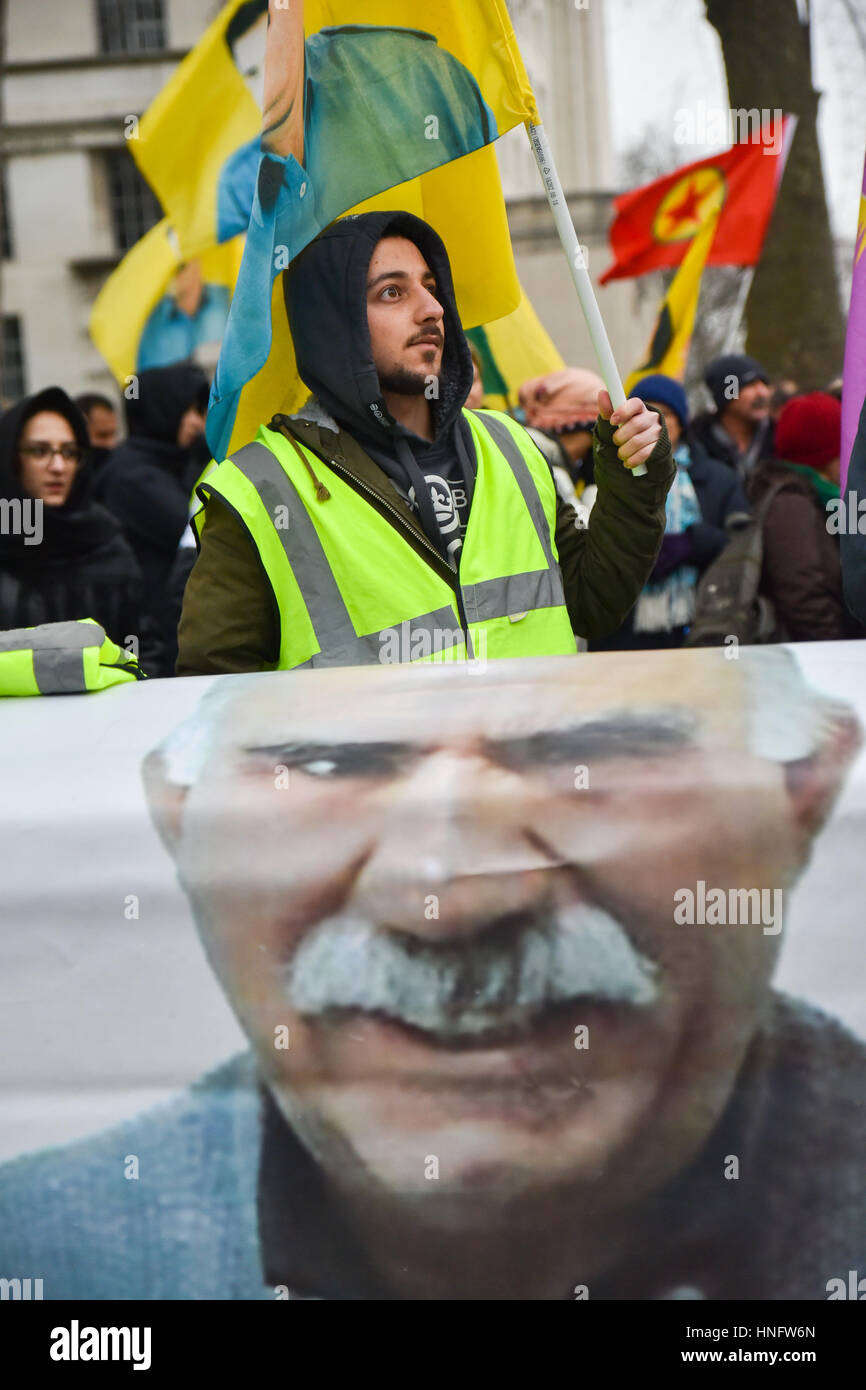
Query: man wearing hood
x=385, y=508
x=100, y=415
x=149, y=477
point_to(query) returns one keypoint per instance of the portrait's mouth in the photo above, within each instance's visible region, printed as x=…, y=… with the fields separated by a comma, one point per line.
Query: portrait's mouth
x=553, y=1021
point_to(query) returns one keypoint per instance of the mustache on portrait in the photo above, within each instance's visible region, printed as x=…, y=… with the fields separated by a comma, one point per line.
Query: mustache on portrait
x=460, y=990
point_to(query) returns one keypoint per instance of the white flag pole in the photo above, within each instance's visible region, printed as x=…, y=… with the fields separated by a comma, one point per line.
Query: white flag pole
x=579, y=273
x=739, y=309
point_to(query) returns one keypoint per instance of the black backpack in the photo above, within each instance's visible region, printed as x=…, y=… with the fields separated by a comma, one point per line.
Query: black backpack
x=728, y=602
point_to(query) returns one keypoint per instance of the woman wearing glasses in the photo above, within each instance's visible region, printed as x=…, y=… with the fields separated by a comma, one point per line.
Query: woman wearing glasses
x=62, y=556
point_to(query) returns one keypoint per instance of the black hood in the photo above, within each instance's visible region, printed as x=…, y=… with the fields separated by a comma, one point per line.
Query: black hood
x=326, y=301
x=12, y=422
x=165, y=394
x=79, y=525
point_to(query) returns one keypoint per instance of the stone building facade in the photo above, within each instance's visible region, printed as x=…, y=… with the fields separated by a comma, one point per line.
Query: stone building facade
x=73, y=201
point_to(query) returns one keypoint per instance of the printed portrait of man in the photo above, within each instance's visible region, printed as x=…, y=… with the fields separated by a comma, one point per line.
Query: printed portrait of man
x=370, y=82
x=192, y=314
x=488, y=1057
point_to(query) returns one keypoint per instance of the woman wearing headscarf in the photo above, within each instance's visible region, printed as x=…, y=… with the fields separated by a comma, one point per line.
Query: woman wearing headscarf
x=62, y=556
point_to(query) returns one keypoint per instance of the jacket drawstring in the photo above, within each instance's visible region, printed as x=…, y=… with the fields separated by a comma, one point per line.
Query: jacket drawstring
x=322, y=493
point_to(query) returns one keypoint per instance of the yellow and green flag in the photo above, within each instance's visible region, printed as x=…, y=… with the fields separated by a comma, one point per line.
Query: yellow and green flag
x=198, y=146
x=669, y=346
x=199, y=142
x=364, y=110
x=511, y=350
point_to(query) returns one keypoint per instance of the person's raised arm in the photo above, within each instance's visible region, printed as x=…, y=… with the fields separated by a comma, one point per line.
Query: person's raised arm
x=605, y=566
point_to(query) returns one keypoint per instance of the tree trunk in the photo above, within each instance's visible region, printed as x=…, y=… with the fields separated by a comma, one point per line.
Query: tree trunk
x=795, y=325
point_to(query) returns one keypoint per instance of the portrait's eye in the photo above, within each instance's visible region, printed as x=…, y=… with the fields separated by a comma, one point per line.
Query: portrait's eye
x=360, y=760
x=526, y=755
x=319, y=767
x=344, y=760
x=390, y=290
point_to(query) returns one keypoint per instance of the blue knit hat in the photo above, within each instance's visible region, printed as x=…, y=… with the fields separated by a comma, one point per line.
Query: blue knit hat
x=664, y=390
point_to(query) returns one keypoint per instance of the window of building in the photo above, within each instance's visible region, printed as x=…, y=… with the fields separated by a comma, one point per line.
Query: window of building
x=13, y=378
x=134, y=207
x=130, y=26
x=6, y=249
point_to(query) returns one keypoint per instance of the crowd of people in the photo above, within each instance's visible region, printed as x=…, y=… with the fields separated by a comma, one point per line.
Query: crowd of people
x=765, y=455
x=115, y=543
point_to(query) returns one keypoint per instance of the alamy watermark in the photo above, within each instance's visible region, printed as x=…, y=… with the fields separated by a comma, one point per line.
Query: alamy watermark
x=719, y=907
x=77, y=1343
x=22, y=517
x=851, y=1288
x=20, y=1290
x=846, y=516
x=398, y=645
x=719, y=125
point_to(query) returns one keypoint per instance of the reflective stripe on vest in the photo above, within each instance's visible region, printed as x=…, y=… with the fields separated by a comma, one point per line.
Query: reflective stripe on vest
x=517, y=593
x=339, y=644
x=383, y=574
x=61, y=659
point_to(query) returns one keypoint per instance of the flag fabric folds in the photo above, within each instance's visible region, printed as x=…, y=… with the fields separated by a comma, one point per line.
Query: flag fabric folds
x=513, y=349
x=198, y=145
x=669, y=345
x=156, y=308
x=854, y=371
x=655, y=224
x=364, y=110
x=198, y=142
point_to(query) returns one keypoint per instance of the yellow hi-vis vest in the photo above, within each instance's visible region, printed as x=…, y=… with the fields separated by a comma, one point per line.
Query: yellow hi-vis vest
x=62, y=659
x=351, y=590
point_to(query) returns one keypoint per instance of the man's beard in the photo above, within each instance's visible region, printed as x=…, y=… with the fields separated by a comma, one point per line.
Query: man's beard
x=399, y=381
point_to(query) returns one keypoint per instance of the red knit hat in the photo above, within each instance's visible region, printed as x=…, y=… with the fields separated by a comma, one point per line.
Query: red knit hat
x=809, y=430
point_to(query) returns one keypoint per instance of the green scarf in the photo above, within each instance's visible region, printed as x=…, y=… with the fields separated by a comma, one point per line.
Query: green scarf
x=824, y=488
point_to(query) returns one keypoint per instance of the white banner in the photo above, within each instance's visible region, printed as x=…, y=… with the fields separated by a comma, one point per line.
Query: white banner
x=539, y=981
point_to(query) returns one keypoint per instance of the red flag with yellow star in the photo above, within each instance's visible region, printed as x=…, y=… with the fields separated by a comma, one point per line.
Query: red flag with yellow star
x=655, y=224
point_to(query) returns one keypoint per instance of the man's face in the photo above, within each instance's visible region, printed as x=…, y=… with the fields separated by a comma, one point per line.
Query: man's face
x=192, y=424
x=187, y=287
x=576, y=443
x=102, y=427
x=434, y=882
x=406, y=320
x=752, y=404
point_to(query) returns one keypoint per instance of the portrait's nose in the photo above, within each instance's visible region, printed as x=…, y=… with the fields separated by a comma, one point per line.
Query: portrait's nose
x=453, y=854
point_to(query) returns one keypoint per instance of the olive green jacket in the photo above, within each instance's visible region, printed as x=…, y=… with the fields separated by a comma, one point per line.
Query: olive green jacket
x=230, y=621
